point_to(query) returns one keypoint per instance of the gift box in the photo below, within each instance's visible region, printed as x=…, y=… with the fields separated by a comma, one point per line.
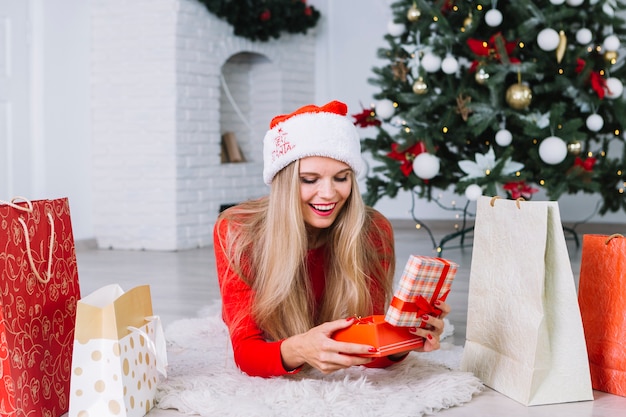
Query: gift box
x=376, y=332
x=425, y=279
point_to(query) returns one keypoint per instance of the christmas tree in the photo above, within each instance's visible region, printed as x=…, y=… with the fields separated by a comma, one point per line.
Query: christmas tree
x=500, y=98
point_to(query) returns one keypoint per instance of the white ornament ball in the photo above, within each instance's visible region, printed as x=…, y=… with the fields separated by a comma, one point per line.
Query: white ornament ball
x=608, y=10
x=552, y=150
x=614, y=88
x=473, y=191
x=395, y=29
x=548, y=39
x=449, y=65
x=584, y=36
x=504, y=137
x=611, y=43
x=431, y=62
x=426, y=166
x=557, y=2
x=594, y=122
x=493, y=18
x=384, y=108
x=575, y=3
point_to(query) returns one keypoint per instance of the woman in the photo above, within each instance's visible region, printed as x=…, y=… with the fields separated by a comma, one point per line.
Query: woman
x=296, y=266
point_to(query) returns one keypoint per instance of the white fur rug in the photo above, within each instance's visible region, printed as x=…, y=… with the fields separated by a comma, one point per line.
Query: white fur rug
x=203, y=380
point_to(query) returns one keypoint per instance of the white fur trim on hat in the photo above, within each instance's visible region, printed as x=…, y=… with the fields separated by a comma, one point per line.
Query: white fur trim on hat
x=311, y=134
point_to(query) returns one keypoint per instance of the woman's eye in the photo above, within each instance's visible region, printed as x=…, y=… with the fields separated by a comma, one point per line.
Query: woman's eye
x=308, y=180
x=341, y=179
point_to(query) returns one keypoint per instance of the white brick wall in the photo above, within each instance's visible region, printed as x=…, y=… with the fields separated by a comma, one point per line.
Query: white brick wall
x=159, y=111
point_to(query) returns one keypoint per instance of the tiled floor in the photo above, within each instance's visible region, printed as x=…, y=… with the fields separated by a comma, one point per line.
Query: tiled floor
x=183, y=282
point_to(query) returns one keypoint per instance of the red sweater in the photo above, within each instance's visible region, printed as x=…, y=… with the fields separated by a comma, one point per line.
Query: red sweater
x=253, y=354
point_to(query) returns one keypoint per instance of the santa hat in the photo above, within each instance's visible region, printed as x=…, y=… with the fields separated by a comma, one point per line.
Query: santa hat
x=311, y=131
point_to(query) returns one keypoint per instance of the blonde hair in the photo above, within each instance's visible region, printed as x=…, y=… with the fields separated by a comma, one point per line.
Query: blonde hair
x=267, y=247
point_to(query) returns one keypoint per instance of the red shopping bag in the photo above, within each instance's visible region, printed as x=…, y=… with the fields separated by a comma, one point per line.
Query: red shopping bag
x=602, y=299
x=38, y=294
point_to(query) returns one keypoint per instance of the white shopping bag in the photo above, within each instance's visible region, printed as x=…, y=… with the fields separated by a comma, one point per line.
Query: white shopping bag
x=524, y=331
x=119, y=350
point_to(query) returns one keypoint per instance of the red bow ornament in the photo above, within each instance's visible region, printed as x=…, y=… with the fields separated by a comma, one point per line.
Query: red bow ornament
x=587, y=164
x=407, y=156
x=598, y=83
x=366, y=118
x=497, y=48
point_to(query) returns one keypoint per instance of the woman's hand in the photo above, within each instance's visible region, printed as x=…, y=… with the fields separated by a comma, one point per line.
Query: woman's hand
x=317, y=348
x=434, y=328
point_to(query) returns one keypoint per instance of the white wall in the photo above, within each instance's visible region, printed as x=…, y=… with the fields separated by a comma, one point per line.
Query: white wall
x=61, y=163
x=349, y=33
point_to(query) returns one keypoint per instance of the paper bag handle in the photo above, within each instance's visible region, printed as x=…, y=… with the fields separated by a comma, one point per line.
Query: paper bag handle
x=613, y=236
x=158, y=346
x=517, y=201
x=29, y=209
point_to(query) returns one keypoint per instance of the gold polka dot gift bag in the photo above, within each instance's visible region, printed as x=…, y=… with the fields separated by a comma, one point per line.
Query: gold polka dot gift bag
x=119, y=352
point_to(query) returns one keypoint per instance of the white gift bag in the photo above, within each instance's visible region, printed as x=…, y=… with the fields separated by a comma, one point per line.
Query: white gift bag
x=119, y=350
x=524, y=331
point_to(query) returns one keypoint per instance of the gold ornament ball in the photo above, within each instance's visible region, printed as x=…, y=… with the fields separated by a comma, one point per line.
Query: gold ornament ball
x=467, y=22
x=519, y=96
x=413, y=14
x=610, y=57
x=481, y=76
x=419, y=86
x=574, y=148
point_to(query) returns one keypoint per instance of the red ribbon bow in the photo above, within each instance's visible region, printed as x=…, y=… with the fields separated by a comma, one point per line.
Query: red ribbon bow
x=598, y=83
x=420, y=306
x=363, y=320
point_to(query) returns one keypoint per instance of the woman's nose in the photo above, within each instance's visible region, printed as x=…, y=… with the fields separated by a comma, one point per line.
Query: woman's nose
x=327, y=189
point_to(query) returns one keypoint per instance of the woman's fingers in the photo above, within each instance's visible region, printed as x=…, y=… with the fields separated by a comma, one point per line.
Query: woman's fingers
x=444, y=307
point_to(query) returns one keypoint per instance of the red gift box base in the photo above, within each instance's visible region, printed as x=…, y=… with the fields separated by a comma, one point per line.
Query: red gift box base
x=375, y=331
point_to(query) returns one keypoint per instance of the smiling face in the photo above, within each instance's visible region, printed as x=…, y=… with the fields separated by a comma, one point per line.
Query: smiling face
x=325, y=185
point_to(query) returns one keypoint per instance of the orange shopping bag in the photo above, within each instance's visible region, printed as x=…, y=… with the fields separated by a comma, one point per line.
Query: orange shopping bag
x=602, y=300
